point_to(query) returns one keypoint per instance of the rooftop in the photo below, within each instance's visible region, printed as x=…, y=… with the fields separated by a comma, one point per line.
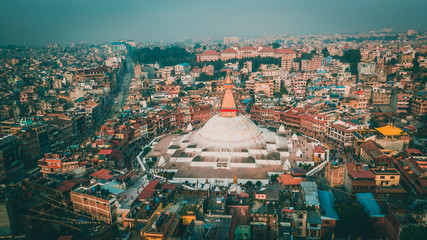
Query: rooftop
x=371, y=205
x=389, y=130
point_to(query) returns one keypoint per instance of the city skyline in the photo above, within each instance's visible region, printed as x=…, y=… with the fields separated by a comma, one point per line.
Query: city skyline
x=37, y=23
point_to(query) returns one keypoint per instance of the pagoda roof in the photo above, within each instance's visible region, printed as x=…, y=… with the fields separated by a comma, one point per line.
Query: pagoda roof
x=389, y=130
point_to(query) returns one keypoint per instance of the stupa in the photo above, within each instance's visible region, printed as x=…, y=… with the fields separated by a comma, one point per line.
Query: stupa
x=229, y=144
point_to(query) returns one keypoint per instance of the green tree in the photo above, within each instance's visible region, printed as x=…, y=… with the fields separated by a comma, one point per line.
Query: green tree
x=197, y=46
x=200, y=85
x=308, y=56
x=258, y=183
x=325, y=52
x=275, y=45
x=353, y=57
x=203, y=77
x=354, y=221
x=283, y=90
x=181, y=94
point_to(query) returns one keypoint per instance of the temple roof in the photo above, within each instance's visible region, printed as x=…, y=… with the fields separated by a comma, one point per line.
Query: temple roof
x=228, y=101
x=389, y=130
x=228, y=105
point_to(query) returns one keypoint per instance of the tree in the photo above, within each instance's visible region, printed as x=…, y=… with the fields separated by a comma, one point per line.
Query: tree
x=200, y=85
x=249, y=183
x=258, y=184
x=353, y=57
x=354, y=221
x=283, y=90
x=273, y=178
x=392, y=61
x=197, y=46
x=306, y=55
x=325, y=52
x=203, y=77
x=275, y=45
x=181, y=94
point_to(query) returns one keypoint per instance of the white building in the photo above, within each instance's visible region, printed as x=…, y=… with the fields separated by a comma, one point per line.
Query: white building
x=188, y=79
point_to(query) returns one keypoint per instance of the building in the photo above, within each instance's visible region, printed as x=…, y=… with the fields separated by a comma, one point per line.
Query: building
x=366, y=68
x=228, y=53
x=392, y=138
x=370, y=152
x=182, y=68
x=10, y=156
x=401, y=101
x=328, y=213
x=341, y=132
x=228, y=40
x=209, y=55
x=97, y=201
x=381, y=96
x=56, y=163
x=419, y=106
x=358, y=179
x=334, y=173
x=386, y=177
x=228, y=143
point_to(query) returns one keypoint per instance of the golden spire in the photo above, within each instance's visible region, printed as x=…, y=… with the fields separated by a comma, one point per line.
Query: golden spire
x=228, y=105
x=235, y=179
x=228, y=79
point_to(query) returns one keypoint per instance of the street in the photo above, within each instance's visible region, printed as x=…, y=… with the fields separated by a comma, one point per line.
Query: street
x=124, y=89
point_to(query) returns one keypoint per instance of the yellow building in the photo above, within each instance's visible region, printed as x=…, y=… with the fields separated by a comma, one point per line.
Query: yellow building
x=386, y=176
x=390, y=132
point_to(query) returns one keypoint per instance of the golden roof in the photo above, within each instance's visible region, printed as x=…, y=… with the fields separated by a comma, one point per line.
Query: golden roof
x=389, y=130
x=228, y=79
x=228, y=100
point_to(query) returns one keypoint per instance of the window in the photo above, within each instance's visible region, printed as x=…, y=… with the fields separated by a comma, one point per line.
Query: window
x=392, y=177
x=382, y=177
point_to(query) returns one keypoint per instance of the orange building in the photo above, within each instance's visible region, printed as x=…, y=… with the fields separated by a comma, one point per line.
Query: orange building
x=55, y=163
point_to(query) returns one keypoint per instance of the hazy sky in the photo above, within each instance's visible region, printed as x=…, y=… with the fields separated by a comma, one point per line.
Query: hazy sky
x=35, y=22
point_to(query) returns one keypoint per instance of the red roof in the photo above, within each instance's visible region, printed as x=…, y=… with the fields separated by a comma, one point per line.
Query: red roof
x=105, y=152
x=288, y=180
x=66, y=186
x=169, y=186
x=266, y=49
x=319, y=149
x=148, y=190
x=229, y=50
x=246, y=48
x=209, y=52
x=285, y=51
x=358, y=173
x=102, y=174
x=413, y=151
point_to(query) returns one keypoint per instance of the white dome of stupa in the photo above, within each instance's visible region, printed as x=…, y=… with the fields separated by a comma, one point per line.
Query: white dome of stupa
x=229, y=133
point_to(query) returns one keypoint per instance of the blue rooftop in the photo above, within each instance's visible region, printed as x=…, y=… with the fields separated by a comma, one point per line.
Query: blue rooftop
x=327, y=204
x=371, y=205
x=113, y=187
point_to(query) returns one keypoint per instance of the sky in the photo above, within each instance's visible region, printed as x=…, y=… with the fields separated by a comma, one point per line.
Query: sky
x=37, y=22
